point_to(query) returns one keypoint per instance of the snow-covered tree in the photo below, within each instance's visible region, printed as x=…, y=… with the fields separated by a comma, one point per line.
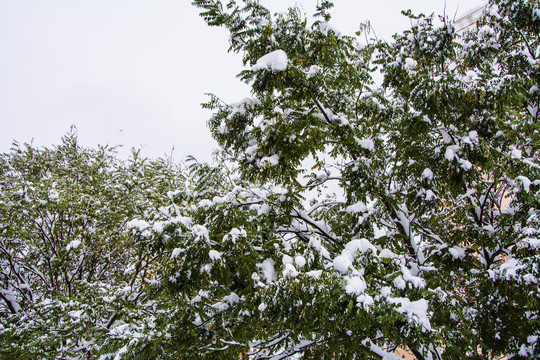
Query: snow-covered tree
x=349, y=219
x=72, y=277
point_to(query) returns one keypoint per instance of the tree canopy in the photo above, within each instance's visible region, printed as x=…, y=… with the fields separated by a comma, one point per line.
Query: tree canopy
x=368, y=197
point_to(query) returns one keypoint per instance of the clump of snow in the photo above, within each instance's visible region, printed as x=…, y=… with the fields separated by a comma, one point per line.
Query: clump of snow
x=465, y=164
x=427, y=174
x=356, y=208
x=410, y=63
x=450, y=152
x=261, y=209
x=313, y=71
x=176, y=252
x=529, y=242
x=342, y=263
x=317, y=245
x=366, y=300
x=367, y=144
x=276, y=60
x=158, y=226
x=233, y=298
x=269, y=272
x=525, y=182
x=387, y=254
x=361, y=245
x=409, y=277
x=533, y=110
x=515, y=153
x=508, y=270
x=430, y=195
x=470, y=76
x=290, y=271
x=457, y=252
x=205, y=203
x=270, y=160
x=300, y=260
x=355, y=285
x=415, y=311
x=73, y=245
x=197, y=321
x=234, y=234
x=214, y=255
x=386, y=291
x=324, y=27
x=138, y=224
x=315, y=274
x=53, y=194
x=200, y=232
x=76, y=314
x=287, y=259
x=400, y=283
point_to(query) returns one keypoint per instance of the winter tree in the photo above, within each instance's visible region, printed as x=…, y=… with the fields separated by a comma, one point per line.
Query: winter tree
x=72, y=277
x=352, y=218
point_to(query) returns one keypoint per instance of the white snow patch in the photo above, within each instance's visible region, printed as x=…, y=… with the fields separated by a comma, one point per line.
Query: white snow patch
x=73, y=245
x=214, y=255
x=355, y=285
x=470, y=76
x=176, y=252
x=450, y=153
x=300, y=260
x=415, y=311
x=356, y=208
x=290, y=271
x=269, y=272
x=270, y=160
x=361, y=245
x=315, y=274
x=342, y=263
x=324, y=27
x=516, y=153
x=200, y=232
x=138, y=224
x=465, y=164
x=427, y=174
x=457, y=252
x=366, y=300
x=533, y=110
x=287, y=259
x=205, y=203
x=313, y=71
x=387, y=254
x=53, y=194
x=410, y=63
x=416, y=281
x=367, y=144
x=400, y=283
x=276, y=60
x=526, y=183
x=233, y=298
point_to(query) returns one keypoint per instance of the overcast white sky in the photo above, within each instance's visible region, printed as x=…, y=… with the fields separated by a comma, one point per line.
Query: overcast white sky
x=134, y=72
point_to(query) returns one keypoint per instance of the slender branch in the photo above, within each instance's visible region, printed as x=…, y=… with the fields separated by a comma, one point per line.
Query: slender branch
x=323, y=112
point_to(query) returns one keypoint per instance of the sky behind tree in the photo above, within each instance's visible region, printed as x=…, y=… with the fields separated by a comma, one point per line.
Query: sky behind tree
x=134, y=73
